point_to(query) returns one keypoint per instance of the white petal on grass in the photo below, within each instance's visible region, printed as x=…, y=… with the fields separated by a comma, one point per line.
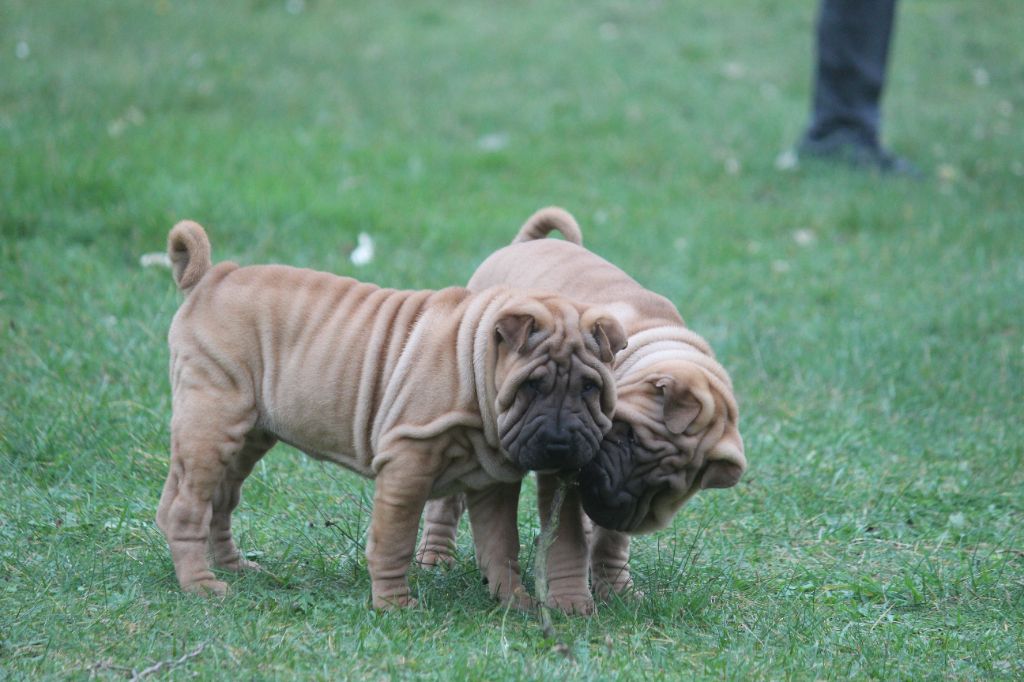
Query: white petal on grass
x=957, y=520
x=780, y=266
x=157, y=259
x=363, y=253
x=787, y=161
x=492, y=142
x=805, y=237
x=134, y=115
x=981, y=78
x=21, y=50
x=734, y=70
x=732, y=166
x=116, y=127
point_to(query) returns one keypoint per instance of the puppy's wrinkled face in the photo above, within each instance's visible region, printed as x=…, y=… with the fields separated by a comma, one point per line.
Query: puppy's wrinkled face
x=555, y=391
x=675, y=433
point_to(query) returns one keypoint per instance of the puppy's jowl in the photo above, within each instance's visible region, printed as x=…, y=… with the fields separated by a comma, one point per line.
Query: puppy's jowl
x=427, y=392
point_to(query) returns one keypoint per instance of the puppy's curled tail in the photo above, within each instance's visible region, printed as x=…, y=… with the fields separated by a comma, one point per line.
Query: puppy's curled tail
x=189, y=250
x=548, y=220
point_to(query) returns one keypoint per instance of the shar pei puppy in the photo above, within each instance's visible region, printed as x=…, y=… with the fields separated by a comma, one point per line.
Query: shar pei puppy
x=426, y=392
x=676, y=428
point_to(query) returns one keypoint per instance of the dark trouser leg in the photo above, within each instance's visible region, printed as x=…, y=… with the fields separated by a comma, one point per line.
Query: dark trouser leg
x=852, y=43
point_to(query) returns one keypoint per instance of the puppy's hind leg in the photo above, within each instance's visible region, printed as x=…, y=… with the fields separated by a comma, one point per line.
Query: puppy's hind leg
x=206, y=437
x=227, y=496
x=440, y=527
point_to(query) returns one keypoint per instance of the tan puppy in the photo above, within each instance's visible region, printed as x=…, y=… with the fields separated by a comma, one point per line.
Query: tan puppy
x=427, y=392
x=676, y=424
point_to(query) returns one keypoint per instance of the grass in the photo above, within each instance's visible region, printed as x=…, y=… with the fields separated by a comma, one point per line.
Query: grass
x=873, y=326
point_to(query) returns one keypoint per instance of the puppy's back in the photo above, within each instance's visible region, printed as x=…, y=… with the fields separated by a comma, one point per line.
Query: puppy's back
x=576, y=272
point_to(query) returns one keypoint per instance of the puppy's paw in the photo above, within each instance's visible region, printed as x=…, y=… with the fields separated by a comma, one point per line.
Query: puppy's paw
x=608, y=590
x=435, y=558
x=207, y=587
x=519, y=599
x=628, y=595
x=394, y=601
x=239, y=564
x=572, y=604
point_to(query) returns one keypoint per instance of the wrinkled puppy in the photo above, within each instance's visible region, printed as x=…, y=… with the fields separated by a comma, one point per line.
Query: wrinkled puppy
x=427, y=392
x=676, y=425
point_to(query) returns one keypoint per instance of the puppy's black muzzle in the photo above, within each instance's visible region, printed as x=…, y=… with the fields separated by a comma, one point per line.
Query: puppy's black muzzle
x=609, y=490
x=556, y=449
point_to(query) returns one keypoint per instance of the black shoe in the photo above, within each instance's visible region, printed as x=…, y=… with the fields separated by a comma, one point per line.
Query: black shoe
x=858, y=155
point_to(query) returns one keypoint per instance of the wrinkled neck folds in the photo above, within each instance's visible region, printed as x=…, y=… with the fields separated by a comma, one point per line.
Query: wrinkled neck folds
x=670, y=342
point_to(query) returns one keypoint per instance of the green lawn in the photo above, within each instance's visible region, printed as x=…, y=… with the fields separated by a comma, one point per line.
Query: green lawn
x=873, y=327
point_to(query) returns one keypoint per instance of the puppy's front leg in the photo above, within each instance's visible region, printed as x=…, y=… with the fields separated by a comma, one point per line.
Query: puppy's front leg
x=609, y=562
x=492, y=517
x=568, y=558
x=402, y=487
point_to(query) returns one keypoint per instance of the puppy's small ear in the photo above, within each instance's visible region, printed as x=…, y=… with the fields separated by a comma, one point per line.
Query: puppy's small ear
x=689, y=405
x=515, y=329
x=609, y=335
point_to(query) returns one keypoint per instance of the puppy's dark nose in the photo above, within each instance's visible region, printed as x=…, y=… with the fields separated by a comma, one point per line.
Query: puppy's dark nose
x=557, y=442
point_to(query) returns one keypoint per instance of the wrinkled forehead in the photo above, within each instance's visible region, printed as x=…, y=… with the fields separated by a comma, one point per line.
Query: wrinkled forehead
x=566, y=341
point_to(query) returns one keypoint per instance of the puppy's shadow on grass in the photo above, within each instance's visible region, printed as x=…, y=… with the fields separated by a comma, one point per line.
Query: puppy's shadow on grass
x=301, y=582
x=297, y=589
x=456, y=588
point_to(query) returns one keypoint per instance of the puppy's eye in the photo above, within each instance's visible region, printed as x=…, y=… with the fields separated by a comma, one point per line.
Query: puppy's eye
x=589, y=386
x=533, y=384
